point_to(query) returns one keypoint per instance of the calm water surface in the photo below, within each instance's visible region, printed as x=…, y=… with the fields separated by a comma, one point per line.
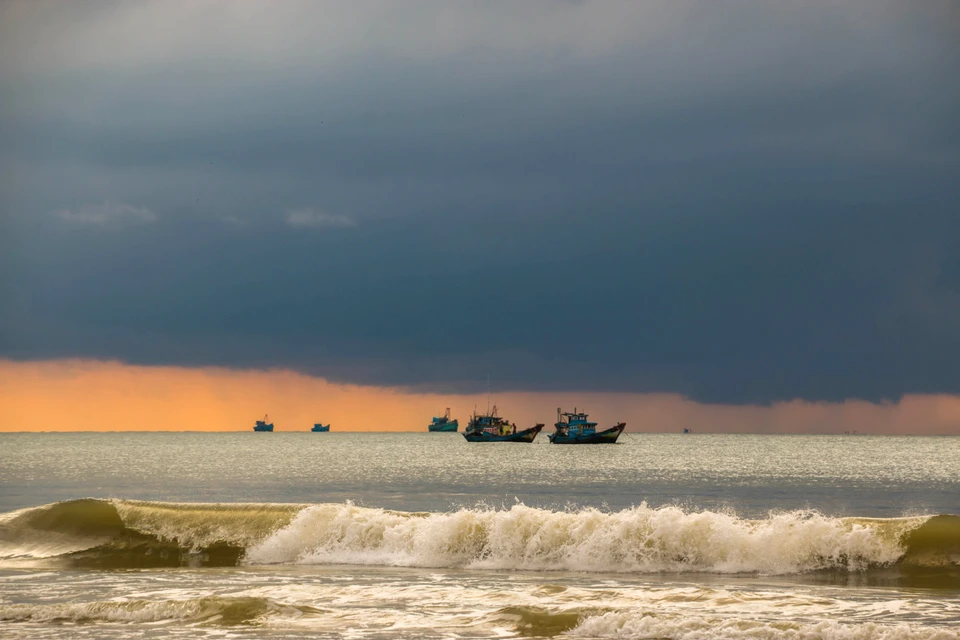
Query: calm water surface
x=861, y=475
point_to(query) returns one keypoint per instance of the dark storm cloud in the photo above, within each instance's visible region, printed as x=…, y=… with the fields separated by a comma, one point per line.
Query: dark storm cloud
x=741, y=203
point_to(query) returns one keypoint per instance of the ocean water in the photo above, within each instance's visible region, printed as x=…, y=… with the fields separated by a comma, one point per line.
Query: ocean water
x=296, y=535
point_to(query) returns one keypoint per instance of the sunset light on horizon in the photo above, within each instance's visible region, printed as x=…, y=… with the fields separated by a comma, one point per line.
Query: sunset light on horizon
x=110, y=396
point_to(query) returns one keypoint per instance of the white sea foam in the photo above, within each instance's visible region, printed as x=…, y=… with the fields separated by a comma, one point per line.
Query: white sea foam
x=227, y=610
x=640, y=539
x=629, y=626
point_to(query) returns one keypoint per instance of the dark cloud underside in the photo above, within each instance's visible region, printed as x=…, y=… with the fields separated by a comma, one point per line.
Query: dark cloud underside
x=741, y=204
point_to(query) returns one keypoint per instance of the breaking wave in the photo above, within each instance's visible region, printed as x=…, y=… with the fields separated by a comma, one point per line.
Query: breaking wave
x=642, y=539
x=128, y=533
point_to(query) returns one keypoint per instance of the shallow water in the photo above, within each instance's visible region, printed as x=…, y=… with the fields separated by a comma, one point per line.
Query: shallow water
x=425, y=535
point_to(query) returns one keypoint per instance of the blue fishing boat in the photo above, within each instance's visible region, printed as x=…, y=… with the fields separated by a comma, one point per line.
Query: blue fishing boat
x=444, y=423
x=263, y=425
x=490, y=427
x=575, y=428
x=320, y=428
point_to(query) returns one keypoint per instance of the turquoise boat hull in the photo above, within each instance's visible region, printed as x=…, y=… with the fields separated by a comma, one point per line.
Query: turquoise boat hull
x=448, y=427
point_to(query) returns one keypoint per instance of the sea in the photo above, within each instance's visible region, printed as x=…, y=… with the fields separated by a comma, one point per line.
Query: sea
x=423, y=535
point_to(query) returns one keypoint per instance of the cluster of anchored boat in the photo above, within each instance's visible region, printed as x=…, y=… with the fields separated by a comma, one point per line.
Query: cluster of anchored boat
x=571, y=428
x=266, y=425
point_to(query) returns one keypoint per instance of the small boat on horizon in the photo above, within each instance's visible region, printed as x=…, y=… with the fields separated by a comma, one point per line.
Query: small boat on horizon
x=490, y=427
x=263, y=425
x=575, y=428
x=320, y=428
x=444, y=423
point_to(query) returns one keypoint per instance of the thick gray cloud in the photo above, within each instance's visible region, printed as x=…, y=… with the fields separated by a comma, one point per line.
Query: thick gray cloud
x=736, y=201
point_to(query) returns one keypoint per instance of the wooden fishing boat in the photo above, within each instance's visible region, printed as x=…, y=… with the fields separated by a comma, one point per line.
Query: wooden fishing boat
x=575, y=428
x=490, y=427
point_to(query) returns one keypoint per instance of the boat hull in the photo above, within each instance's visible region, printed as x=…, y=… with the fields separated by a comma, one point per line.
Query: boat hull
x=268, y=428
x=607, y=436
x=527, y=435
x=320, y=429
x=450, y=427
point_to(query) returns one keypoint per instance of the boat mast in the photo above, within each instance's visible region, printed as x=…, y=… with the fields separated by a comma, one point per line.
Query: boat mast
x=488, y=394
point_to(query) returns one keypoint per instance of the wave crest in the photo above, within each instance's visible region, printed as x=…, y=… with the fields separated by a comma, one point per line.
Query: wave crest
x=125, y=533
x=642, y=539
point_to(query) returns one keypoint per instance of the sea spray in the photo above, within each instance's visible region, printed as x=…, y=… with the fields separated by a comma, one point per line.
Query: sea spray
x=640, y=539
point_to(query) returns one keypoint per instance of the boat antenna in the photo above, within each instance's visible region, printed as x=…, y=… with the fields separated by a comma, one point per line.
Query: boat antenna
x=488, y=394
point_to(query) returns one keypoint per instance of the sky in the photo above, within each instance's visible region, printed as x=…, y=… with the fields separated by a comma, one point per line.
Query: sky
x=743, y=212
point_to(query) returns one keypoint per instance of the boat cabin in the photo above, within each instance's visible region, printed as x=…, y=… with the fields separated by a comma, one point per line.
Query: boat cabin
x=491, y=423
x=575, y=423
x=263, y=425
x=444, y=419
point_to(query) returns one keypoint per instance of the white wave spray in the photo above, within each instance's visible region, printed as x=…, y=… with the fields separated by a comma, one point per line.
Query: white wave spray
x=640, y=539
x=687, y=627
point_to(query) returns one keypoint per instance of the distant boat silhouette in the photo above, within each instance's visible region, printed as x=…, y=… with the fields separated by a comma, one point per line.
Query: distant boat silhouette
x=319, y=428
x=263, y=425
x=444, y=423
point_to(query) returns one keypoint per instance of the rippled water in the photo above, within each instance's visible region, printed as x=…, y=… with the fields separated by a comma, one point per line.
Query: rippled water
x=852, y=475
x=425, y=535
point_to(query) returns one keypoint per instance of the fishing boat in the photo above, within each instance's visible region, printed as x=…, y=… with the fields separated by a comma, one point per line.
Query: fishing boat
x=490, y=427
x=575, y=428
x=263, y=425
x=444, y=423
x=320, y=428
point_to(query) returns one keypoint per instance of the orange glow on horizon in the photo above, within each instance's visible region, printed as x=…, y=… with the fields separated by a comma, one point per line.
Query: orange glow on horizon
x=87, y=395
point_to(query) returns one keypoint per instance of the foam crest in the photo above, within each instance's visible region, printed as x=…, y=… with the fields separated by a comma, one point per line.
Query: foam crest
x=640, y=539
x=629, y=626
